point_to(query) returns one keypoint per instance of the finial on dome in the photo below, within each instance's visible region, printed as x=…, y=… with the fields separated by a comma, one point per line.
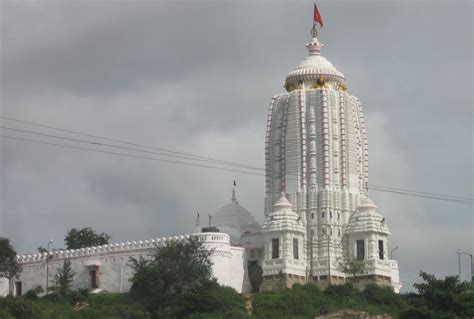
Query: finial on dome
x=314, y=46
x=233, y=198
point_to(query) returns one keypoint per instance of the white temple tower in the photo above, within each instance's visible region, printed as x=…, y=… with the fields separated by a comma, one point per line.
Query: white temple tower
x=316, y=152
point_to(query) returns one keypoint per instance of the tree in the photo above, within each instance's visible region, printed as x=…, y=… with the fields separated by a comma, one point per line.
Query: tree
x=177, y=270
x=85, y=237
x=41, y=249
x=447, y=297
x=63, y=279
x=353, y=267
x=8, y=264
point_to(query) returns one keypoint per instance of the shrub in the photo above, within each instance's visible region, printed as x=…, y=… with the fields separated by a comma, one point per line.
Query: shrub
x=19, y=308
x=414, y=314
x=79, y=295
x=212, y=299
x=303, y=301
x=383, y=296
x=32, y=294
x=340, y=291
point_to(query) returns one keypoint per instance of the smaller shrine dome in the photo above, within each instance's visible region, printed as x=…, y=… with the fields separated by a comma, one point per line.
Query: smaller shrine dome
x=283, y=217
x=235, y=220
x=367, y=218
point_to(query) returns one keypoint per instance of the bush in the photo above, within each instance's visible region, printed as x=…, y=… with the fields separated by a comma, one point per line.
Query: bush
x=79, y=295
x=32, y=294
x=383, y=296
x=4, y=314
x=341, y=291
x=303, y=301
x=19, y=308
x=212, y=299
x=414, y=314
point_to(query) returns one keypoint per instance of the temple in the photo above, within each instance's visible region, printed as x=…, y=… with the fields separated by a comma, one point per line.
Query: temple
x=318, y=218
x=318, y=215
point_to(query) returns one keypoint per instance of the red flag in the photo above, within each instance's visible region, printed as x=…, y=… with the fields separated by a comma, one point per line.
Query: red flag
x=317, y=16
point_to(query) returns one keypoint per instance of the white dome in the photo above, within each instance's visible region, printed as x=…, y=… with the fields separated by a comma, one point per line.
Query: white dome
x=367, y=218
x=283, y=217
x=314, y=66
x=235, y=220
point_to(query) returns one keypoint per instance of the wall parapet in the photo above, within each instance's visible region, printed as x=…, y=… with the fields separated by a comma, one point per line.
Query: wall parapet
x=128, y=246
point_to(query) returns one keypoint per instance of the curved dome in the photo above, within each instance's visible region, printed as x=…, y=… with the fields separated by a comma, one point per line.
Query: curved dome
x=312, y=68
x=367, y=218
x=283, y=217
x=235, y=220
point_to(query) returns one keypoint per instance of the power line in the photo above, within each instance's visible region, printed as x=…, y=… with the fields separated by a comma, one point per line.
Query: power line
x=194, y=157
x=468, y=202
x=222, y=168
x=125, y=142
x=130, y=155
x=130, y=149
x=421, y=193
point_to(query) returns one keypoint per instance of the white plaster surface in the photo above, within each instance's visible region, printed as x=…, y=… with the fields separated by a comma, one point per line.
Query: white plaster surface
x=112, y=262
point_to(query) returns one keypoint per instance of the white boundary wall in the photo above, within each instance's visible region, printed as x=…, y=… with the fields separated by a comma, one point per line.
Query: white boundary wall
x=112, y=264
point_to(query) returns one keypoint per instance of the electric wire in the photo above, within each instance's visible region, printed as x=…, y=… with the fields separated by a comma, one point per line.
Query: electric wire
x=129, y=148
x=126, y=142
x=193, y=157
x=377, y=188
x=129, y=155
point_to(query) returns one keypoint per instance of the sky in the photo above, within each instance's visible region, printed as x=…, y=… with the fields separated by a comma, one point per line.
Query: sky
x=197, y=77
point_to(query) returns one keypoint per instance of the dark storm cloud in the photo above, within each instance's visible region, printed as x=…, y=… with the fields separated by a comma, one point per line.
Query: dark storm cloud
x=197, y=77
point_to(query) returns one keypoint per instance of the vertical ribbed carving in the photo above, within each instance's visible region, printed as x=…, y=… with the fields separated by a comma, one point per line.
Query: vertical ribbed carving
x=325, y=137
x=360, y=161
x=283, y=145
x=268, y=169
x=342, y=114
x=302, y=105
x=312, y=167
x=365, y=150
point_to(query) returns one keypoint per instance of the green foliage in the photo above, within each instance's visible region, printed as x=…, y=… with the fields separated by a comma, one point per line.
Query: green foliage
x=300, y=302
x=79, y=295
x=8, y=263
x=41, y=249
x=353, y=267
x=212, y=299
x=33, y=293
x=181, y=268
x=18, y=308
x=85, y=237
x=341, y=291
x=443, y=298
x=308, y=301
x=383, y=296
x=63, y=279
x=414, y=314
